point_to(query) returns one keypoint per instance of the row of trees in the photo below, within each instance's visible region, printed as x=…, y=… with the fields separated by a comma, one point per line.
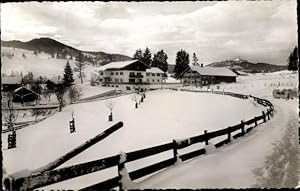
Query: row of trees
x=160, y=60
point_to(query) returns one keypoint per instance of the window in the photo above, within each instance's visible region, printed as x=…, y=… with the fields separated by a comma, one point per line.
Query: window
x=152, y=80
x=117, y=86
x=158, y=74
x=121, y=80
x=116, y=80
x=157, y=80
x=112, y=73
x=148, y=80
x=100, y=80
x=148, y=74
x=153, y=74
x=121, y=73
x=117, y=73
x=101, y=73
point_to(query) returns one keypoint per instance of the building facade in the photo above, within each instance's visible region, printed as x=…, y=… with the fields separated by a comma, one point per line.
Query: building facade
x=203, y=76
x=132, y=74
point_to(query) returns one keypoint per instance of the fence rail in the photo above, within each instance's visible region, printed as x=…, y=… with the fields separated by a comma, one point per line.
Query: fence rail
x=53, y=176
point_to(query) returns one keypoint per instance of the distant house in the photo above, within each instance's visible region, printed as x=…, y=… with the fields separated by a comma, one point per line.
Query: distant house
x=132, y=74
x=25, y=96
x=10, y=83
x=207, y=75
x=53, y=82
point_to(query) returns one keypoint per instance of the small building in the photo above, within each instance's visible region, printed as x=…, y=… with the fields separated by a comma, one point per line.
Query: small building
x=197, y=75
x=132, y=74
x=10, y=83
x=53, y=82
x=25, y=96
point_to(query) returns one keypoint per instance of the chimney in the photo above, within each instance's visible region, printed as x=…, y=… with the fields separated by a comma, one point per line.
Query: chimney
x=201, y=65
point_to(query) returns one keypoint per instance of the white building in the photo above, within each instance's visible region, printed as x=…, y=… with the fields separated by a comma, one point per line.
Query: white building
x=132, y=74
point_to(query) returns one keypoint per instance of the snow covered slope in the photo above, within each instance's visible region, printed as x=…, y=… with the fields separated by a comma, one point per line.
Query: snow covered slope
x=41, y=64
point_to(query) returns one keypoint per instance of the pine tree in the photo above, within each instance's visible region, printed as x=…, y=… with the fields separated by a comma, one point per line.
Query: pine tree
x=68, y=75
x=182, y=62
x=137, y=55
x=195, y=60
x=160, y=60
x=147, y=57
x=293, y=60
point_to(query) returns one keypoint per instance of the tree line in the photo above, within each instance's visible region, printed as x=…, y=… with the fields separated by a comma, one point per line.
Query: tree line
x=160, y=58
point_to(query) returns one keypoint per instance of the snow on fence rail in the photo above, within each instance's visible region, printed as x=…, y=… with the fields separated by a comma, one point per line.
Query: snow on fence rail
x=48, y=176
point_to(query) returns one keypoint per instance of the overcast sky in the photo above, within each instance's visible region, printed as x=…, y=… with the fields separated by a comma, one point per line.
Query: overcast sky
x=264, y=31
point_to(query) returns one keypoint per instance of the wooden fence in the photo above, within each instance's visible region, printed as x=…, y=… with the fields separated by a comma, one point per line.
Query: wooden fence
x=53, y=176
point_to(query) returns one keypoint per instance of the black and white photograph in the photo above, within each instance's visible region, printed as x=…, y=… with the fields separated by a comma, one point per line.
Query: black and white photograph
x=153, y=95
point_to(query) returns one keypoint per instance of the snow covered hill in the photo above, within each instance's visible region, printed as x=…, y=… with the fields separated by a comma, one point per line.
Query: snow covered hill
x=41, y=64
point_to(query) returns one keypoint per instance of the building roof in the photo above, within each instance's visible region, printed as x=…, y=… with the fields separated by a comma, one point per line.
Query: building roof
x=23, y=88
x=213, y=71
x=118, y=65
x=56, y=79
x=154, y=70
x=11, y=80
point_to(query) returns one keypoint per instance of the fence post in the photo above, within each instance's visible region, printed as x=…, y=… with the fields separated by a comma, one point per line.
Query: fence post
x=121, y=166
x=268, y=114
x=175, y=152
x=206, y=140
x=255, y=122
x=229, y=135
x=264, y=116
x=243, y=127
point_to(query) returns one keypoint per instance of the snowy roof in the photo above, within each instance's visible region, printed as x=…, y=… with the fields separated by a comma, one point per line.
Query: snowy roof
x=213, y=71
x=11, y=80
x=56, y=79
x=117, y=65
x=154, y=70
x=23, y=87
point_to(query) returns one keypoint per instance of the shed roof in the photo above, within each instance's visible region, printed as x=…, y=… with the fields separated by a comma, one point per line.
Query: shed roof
x=11, y=80
x=118, y=65
x=23, y=88
x=213, y=71
x=154, y=70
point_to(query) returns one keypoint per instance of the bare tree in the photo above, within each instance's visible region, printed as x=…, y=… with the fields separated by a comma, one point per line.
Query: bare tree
x=110, y=105
x=135, y=98
x=80, y=65
x=60, y=91
x=75, y=94
x=10, y=115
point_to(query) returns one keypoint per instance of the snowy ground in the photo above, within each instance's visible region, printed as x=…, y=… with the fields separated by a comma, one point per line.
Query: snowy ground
x=87, y=90
x=167, y=115
x=144, y=127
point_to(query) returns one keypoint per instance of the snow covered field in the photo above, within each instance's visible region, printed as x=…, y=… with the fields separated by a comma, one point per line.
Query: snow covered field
x=167, y=115
x=162, y=117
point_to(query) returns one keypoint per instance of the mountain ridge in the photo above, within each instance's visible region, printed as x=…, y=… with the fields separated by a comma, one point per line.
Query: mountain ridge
x=60, y=50
x=247, y=66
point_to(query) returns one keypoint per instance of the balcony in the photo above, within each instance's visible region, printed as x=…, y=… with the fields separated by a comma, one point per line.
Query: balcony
x=135, y=76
